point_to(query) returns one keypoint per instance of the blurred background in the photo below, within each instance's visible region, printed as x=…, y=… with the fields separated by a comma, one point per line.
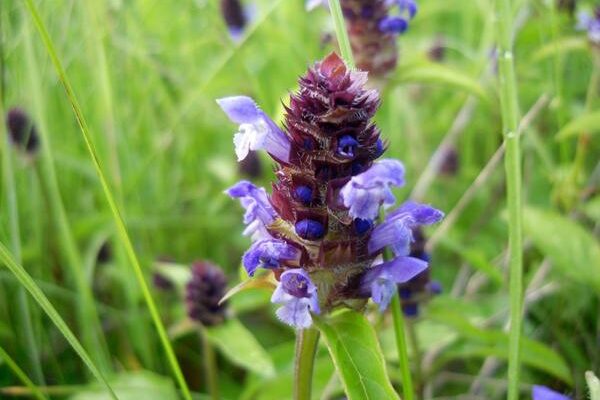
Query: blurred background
x=147, y=73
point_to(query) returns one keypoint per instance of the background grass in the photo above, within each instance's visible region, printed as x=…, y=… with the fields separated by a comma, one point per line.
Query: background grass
x=146, y=74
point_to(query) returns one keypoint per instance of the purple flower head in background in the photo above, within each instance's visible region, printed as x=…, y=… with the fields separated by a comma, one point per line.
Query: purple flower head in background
x=313, y=230
x=543, y=393
x=373, y=26
x=22, y=131
x=591, y=24
x=298, y=295
x=204, y=292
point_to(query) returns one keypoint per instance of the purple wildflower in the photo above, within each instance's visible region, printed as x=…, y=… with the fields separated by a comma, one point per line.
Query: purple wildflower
x=234, y=16
x=313, y=230
x=396, y=230
x=259, y=212
x=543, y=393
x=381, y=281
x=256, y=130
x=269, y=254
x=298, y=295
x=366, y=192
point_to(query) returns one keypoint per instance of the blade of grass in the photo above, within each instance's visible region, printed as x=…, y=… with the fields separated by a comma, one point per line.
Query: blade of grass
x=28, y=339
x=28, y=283
x=120, y=223
x=512, y=163
x=340, y=32
x=21, y=375
x=88, y=320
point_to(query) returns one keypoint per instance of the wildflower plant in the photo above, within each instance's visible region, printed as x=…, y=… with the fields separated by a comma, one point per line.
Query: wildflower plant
x=319, y=230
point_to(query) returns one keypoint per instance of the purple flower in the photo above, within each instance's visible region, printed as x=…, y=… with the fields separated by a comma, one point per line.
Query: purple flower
x=298, y=295
x=268, y=253
x=543, y=393
x=396, y=230
x=366, y=192
x=256, y=130
x=392, y=24
x=259, y=212
x=591, y=24
x=381, y=280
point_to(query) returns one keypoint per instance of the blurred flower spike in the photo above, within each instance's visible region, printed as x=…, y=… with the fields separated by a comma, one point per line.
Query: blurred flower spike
x=22, y=131
x=373, y=26
x=203, y=293
x=318, y=230
x=591, y=24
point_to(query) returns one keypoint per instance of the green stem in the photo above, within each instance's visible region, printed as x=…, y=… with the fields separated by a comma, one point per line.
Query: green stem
x=210, y=366
x=118, y=219
x=399, y=330
x=512, y=163
x=306, y=348
x=340, y=32
x=411, y=330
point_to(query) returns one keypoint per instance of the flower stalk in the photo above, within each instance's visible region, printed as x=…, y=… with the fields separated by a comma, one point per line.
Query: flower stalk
x=512, y=163
x=401, y=343
x=341, y=32
x=210, y=367
x=306, y=348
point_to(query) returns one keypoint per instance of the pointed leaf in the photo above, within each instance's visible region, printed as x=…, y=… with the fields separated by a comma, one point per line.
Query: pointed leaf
x=574, y=251
x=355, y=351
x=240, y=346
x=593, y=385
x=588, y=123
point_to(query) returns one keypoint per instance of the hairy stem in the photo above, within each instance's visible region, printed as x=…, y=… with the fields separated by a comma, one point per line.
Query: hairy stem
x=306, y=348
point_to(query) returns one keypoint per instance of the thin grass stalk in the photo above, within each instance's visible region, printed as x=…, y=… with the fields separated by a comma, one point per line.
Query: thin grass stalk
x=120, y=223
x=88, y=321
x=24, y=314
x=34, y=391
x=341, y=32
x=401, y=343
x=512, y=163
x=94, y=10
x=28, y=283
x=210, y=367
x=306, y=349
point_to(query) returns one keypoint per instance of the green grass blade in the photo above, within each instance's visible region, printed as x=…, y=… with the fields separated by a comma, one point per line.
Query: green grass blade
x=28, y=283
x=340, y=32
x=21, y=375
x=121, y=228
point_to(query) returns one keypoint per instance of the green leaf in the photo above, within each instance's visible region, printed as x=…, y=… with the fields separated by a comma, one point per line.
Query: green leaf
x=588, y=122
x=561, y=46
x=133, y=386
x=241, y=347
x=428, y=72
x=574, y=251
x=28, y=283
x=493, y=342
x=593, y=385
x=355, y=351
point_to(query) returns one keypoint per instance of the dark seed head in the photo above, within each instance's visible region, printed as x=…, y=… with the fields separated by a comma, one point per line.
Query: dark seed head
x=22, y=131
x=203, y=293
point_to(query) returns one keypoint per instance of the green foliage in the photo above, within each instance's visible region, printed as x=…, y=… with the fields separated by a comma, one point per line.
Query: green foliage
x=240, y=347
x=355, y=351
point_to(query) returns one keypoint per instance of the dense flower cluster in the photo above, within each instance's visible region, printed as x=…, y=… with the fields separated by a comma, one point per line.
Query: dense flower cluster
x=318, y=229
x=373, y=26
x=591, y=24
x=204, y=291
x=22, y=131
